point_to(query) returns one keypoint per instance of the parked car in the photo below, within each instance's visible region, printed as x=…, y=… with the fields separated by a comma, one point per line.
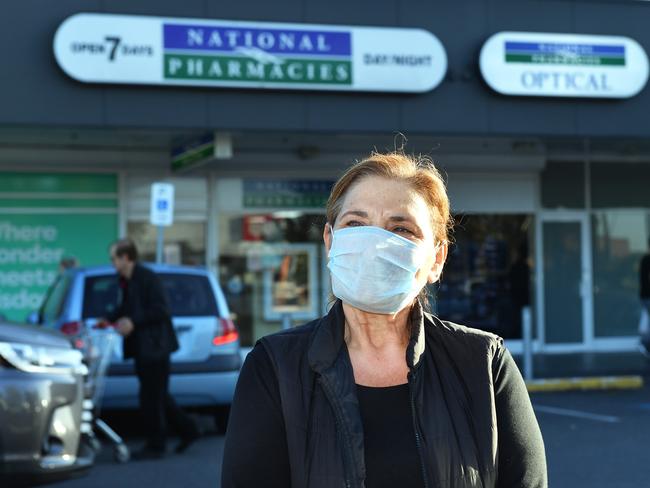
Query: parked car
x=41, y=406
x=204, y=370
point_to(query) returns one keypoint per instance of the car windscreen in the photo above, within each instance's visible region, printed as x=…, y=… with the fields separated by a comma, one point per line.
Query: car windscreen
x=53, y=305
x=188, y=295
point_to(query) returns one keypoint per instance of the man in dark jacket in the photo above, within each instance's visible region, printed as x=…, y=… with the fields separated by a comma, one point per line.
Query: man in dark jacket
x=143, y=319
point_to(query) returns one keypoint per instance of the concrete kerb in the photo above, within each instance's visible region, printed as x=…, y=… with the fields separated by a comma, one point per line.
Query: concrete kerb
x=585, y=383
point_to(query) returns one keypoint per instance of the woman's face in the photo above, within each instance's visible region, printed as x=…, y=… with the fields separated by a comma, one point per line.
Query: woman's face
x=396, y=207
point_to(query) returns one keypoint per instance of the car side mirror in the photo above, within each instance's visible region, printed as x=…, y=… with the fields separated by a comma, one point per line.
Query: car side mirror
x=33, y=318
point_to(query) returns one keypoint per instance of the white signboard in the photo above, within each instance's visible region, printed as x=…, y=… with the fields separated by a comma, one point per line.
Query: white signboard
x=105, y=48
x=162, y=204
x=564, y=65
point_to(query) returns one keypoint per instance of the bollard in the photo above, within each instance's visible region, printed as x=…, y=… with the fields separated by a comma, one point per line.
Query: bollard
x=527, y=340
x=286, y=321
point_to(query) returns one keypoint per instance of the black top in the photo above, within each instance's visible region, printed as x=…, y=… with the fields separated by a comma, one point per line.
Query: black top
x=644, y=277
x=389, y=438
x=143, y=301
x=256, y=452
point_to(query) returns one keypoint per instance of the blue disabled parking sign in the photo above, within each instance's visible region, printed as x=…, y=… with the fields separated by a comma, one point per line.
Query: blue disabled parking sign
x=162, y=204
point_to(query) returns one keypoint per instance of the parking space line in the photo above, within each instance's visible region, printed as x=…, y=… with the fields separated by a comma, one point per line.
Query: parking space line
x=577, y=413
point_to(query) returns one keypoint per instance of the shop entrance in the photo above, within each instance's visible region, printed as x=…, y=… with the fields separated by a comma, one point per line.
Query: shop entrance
x=565, y=284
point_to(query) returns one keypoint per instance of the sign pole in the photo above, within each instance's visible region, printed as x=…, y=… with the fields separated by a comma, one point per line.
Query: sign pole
x=159, y=244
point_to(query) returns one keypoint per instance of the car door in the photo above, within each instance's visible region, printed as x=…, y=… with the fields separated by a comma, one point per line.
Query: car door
x=194, y=313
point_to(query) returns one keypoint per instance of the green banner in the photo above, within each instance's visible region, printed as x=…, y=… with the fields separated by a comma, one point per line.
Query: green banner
x=31, y=247
x=43, y=218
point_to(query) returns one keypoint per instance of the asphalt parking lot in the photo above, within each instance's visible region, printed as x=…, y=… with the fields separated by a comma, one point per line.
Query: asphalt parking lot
x=594, y=439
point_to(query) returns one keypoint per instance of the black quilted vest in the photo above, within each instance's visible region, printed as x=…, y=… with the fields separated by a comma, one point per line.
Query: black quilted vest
x=452, y=402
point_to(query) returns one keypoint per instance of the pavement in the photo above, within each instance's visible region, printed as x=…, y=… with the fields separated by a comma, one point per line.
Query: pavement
x=588, y=370
x=594, y=439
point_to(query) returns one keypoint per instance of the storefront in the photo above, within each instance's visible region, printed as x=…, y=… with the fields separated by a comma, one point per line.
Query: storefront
x=546, y=161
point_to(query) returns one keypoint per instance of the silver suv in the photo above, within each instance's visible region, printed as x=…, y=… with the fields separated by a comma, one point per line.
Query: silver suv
x=205, y=368
x=41, y=406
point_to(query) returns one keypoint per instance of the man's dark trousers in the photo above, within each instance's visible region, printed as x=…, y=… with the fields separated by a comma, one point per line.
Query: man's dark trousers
x=158, y=406
x=150, y=345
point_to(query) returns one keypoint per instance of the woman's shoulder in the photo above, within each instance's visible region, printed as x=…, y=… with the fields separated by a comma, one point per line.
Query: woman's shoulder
x=463, y=334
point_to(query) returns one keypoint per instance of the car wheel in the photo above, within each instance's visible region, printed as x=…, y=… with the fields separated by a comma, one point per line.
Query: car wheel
x=221, y=414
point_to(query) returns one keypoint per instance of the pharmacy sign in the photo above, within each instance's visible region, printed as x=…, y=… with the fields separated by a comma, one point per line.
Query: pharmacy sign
x=106, y=48
x=564, y=65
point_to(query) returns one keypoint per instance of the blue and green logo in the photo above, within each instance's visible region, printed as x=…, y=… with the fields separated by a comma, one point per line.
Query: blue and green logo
x=565, y=54
x=256, y=55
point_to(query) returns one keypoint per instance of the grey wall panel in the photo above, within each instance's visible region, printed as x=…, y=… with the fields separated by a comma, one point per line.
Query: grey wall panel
x=531, y=15
x=460, y=102
x=530, y=115
x=352, y=12
x=159, y=8
x=630, y=117
x=356, y=113
x=33, y=90
x=238, y=109
x=157, y=106
x=265, y=11
x=615, y=118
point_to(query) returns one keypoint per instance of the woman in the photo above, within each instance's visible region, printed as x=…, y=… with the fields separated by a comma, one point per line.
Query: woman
x=379, y=393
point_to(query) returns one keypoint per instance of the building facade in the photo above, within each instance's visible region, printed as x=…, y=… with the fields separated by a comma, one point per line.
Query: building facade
x=549, y=187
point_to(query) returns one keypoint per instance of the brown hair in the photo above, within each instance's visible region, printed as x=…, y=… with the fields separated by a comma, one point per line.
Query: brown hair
x=126, y=247
x=418, y=172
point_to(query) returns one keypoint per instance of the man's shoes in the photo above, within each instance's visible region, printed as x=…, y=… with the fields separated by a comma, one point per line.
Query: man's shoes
x=148, y=453
x=186, y=442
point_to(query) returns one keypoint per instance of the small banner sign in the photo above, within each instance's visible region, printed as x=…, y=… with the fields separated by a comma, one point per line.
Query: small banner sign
x=106, y=48
x=286, y=194
x=193, y=153
x=564, y=65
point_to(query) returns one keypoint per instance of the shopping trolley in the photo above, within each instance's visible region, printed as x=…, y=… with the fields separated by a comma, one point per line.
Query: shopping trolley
x=100, y=341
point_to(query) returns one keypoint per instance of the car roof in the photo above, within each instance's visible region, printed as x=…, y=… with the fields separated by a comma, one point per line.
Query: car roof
x=158, y=268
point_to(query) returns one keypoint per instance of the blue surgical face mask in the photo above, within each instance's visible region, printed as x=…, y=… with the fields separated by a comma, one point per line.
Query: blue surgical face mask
x=373, y=269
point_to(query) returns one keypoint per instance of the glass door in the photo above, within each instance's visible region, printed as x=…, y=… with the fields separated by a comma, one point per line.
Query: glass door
x=565, y=282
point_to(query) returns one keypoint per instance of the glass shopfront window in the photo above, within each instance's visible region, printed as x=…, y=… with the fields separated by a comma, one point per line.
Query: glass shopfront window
x=489, y=273
x=272, y=270
x=184, y=242
x=619, y=241
x=620, y=229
